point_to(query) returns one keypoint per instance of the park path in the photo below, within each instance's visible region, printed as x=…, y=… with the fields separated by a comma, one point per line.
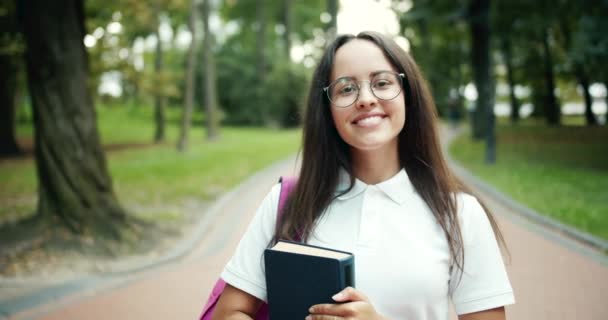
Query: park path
x=553, y=277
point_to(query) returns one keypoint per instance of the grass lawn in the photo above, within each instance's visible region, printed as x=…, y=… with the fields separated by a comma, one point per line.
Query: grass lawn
x=155, y=180
x=561, y=172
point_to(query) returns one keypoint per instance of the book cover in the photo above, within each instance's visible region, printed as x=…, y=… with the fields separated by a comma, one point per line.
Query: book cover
x=299, y=276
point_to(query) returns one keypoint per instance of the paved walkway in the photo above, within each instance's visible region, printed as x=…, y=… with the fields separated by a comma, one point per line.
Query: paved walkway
x=553, y=277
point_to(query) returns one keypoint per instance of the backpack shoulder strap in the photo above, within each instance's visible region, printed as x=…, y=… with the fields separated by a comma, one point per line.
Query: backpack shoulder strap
x=288, y=183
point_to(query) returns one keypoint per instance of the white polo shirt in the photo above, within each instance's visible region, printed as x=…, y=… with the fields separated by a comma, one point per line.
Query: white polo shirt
x=402, y=258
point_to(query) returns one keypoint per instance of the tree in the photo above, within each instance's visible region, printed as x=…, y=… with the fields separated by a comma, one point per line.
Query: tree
x=482, y=70
x=74, y=186
x=182, y=143
x=332, y=26
x=159, y=99
x=10, y=54
x=506, y=25
x=209, y=89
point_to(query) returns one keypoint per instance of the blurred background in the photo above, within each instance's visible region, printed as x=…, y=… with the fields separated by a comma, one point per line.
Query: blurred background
x=123, y=116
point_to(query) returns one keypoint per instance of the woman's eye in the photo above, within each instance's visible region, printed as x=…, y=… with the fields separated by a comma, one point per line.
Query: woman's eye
x=347, y=89
x=381, y=83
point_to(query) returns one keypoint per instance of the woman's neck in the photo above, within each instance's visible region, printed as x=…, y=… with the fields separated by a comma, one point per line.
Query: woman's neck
x=375, y=166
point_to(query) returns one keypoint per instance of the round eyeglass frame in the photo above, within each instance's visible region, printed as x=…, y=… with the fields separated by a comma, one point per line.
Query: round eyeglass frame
x=401, y=76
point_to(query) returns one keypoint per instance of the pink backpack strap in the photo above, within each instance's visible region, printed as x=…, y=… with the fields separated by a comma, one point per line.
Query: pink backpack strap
x=287, y=186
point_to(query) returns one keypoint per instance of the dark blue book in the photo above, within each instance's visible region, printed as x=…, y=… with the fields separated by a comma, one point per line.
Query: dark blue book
x=299, y=276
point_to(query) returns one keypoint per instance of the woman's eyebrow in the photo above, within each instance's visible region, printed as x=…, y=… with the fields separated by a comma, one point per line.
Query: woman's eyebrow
x=371, y=75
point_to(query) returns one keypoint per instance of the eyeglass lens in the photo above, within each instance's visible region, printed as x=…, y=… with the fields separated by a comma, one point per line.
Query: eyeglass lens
x=345, y=91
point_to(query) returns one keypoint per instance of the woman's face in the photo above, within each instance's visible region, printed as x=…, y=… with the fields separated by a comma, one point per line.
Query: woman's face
x=370, y=123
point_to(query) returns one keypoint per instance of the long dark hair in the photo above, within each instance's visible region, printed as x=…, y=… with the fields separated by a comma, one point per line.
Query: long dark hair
x=324, y=152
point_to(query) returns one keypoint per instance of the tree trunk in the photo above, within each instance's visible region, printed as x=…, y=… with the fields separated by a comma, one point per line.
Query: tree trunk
x=332, y=26
x=73, y=181
x=288, y=24
x=182, y=144
x=260, y=48
x=583, y=80
x=159, y=99
x=552, y=112
x=606, y=101
x=8, y=86
x=482, y=71
x=482, y=68
x=507, y=53
x=209, y=89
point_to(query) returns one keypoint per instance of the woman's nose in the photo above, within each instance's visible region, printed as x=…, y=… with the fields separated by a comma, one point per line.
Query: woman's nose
x=366, y=97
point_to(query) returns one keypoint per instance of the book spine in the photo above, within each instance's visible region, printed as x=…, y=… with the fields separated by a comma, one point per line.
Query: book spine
x=347, y=273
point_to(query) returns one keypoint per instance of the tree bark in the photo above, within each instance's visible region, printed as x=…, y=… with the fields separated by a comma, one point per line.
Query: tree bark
x=182, y=144
x=508, y=55
x=583, y=80
x=73, y=181
x=480, y=54
x=159, y=99
x=552, y=111
x=209, y=89
x=8, y=86
x=483, y=124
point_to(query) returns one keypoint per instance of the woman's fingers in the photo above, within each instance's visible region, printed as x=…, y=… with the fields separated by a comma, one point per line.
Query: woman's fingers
x=323, y=317
x=350, y=294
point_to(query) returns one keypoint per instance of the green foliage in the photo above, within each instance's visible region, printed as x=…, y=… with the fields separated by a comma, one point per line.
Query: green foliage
x=305, y=15
x=148, y=176
x=439, y=38
x=248, y=102
x=558, y=171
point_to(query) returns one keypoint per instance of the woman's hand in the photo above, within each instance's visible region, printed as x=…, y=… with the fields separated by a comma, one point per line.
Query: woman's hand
x=352, y=304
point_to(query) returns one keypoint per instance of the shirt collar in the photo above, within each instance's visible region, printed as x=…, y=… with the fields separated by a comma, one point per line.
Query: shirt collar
x=396, y=188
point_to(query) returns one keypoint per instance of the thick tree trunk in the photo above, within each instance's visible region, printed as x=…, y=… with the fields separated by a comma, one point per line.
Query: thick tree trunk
x=73, y=180
x=552, y=110
x=507, y=53
x=482, y=70
x=159, y=99
x=209, y=89
x=8, y=86
x=583, y=80
x=182, y=144
x=480, y=55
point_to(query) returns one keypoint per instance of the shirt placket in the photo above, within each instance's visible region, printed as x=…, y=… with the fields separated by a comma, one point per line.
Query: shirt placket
x=368, y=226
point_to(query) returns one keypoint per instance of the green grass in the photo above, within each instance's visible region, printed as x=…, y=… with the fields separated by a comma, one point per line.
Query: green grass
x=561, y=172
x=156, y=177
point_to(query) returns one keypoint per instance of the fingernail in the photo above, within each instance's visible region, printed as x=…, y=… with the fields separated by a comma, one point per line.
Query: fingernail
x=308, y=317
x=337, y=296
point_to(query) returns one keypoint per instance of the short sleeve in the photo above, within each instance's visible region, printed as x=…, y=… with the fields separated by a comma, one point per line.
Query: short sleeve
x=484, y=283
x=245, y=270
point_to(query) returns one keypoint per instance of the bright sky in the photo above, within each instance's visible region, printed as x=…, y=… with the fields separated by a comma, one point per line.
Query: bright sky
x=355, y=16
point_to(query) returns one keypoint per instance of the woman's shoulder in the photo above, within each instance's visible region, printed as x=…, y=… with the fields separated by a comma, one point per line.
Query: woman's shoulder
x=469, y=207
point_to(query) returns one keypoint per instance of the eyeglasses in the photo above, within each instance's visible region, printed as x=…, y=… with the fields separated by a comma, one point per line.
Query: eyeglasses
x=385, y=85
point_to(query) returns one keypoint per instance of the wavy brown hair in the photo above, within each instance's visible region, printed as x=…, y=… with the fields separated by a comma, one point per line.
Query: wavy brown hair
x=324, y=152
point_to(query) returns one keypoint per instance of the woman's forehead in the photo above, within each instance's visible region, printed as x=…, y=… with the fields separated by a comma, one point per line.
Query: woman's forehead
x=359, y=59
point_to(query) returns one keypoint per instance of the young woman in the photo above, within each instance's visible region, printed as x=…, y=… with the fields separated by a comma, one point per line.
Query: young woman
x=373, y=182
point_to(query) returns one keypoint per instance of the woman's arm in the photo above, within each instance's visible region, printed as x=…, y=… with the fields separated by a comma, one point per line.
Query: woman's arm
x=236, y=304
x=491, y=314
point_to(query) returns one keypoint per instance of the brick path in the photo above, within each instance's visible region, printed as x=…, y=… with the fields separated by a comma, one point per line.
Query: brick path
x=552, y=279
